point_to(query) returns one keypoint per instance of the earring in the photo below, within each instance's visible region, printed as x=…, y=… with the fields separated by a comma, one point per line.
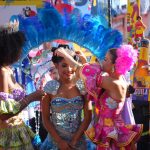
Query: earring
x=113, y=69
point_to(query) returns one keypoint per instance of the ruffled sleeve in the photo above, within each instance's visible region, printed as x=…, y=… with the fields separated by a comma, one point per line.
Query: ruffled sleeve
x=92, y=77
x=52, y=87
x=8, y=104
x=81, y=87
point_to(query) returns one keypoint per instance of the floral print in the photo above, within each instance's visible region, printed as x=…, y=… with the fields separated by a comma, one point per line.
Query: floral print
x=110, y=125
x=108, y=122
x=112, y=104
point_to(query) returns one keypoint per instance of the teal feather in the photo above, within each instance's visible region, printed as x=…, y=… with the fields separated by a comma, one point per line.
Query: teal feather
x=87, y=31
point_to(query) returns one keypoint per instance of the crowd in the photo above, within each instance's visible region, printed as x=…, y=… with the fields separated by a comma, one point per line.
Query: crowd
x=67, y=101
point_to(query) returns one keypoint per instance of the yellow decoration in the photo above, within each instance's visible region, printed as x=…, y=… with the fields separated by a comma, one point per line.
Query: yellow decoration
x=85, y=51
x=37, y=3
x=108, y=122
x=90, y=132
x=143, y=55
x=94, y=3
x=133, y=11
x=93, y=59
x=135, y=35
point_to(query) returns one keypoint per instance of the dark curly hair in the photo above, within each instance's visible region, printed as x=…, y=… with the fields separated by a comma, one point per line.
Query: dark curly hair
x=57, y=59
x=11, y=44
x=113, y=53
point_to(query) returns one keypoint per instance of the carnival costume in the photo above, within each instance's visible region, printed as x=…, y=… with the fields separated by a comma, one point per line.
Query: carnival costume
x=110, y=126
x=93, y=34
x=85, y=30
x=14, y=134
x=66, y=116
x=127, y=113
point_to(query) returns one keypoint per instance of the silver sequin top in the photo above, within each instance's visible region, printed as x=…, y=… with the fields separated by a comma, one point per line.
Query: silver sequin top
x=52, y=87
x=66, y=117
x=66, y=114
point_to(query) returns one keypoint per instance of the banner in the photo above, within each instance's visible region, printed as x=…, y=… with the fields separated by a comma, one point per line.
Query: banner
x=8, y=11
x=135, y=36
x=133, y=11
x=37, y=3
x=141, y=76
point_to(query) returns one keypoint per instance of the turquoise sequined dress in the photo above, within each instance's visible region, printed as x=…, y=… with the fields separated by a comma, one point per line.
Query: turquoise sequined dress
x=66, y=118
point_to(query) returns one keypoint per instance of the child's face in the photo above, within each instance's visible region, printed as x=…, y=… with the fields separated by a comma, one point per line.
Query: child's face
x=64, y=70
x=107, y=63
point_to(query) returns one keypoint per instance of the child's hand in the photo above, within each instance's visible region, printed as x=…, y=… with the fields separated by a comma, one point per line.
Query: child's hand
x=37, y=95
x=82, y=57
x=61, y=52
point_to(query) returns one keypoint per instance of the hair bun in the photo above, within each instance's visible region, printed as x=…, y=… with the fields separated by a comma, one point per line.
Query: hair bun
x=64, y=46
x=53, y=49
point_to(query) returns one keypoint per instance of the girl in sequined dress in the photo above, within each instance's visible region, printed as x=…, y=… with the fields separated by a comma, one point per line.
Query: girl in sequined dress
x=109, y=93
x=65, y=98
x=14, y=134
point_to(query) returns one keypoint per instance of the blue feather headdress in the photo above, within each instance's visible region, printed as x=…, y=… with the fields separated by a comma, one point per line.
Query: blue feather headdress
x=89, y=32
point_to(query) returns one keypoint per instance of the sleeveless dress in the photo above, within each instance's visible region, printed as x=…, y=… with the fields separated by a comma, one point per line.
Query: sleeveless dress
x=66, y=116
x=127, y=113
x=14, y=134
x=110, y=128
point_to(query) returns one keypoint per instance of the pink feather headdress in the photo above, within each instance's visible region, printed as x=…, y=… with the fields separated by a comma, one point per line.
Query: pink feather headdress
x=126, y=58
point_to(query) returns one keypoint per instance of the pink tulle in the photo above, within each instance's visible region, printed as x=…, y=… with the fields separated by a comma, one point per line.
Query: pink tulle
x=126, y=58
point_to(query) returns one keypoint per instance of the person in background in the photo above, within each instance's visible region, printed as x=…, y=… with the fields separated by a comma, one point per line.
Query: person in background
x=14, y=134
x=139, y=28
x=54, y=74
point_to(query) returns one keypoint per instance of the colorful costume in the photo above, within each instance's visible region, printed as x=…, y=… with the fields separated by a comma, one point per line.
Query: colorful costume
x=110, y=128
x=14, y=134
x=139, y=29
x=127, y=114
x=66, y=116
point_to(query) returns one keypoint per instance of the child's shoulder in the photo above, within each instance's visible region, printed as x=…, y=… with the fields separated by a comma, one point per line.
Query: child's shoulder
x=3, y=70
x=3, y=74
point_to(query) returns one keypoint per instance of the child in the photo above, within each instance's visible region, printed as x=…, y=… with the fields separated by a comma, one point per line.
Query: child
x=66, y=100
x=109, y=93
x=14, y=134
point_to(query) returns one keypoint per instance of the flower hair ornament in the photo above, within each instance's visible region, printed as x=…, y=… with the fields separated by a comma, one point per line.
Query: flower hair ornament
x=87, y=31
x=126, y=58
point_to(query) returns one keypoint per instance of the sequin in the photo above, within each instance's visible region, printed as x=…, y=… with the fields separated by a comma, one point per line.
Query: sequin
x=66, y=118
x=52, y=87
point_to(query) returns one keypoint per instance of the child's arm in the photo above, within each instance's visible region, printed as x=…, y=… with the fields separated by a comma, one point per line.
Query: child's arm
x=16, y=107
x=69, y=59
x=49, y=125
x=37, y=95
x=3, y=81
x=85, y=123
